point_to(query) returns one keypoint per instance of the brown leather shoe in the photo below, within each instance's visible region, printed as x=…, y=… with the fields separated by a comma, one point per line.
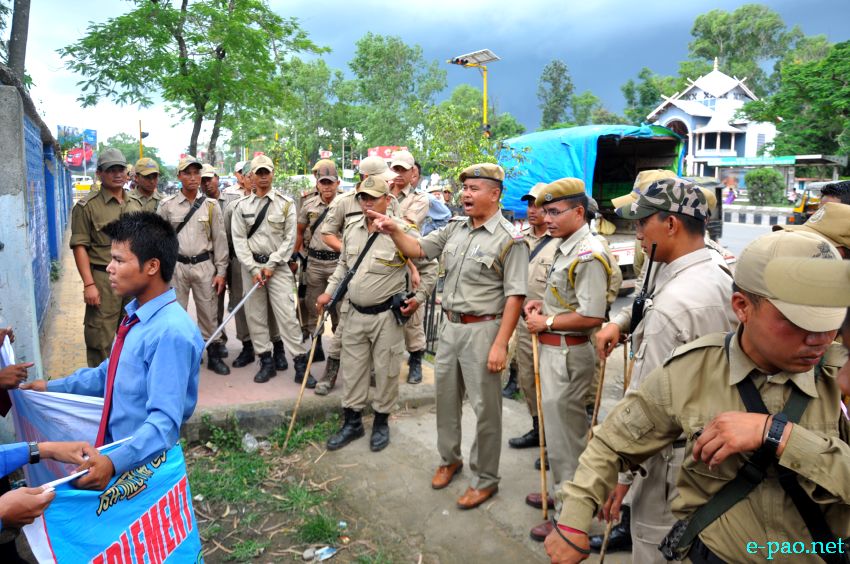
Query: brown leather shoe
x=536, y=500
x=541, y=531
x=444, y=474
x=473, y=498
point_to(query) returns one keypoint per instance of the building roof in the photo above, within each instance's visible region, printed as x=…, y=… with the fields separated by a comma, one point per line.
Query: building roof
x=718, y=124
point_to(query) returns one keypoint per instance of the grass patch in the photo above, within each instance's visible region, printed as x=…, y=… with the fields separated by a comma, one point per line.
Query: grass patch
x=377, y=558
x=211, y=531
x=229, y=476
x=318, y=528
x=223, y=437
x=247, y=550
x=299, y=499
x=303, y=434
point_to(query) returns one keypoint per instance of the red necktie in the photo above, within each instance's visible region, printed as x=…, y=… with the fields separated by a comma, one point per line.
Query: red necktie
x=111, y=369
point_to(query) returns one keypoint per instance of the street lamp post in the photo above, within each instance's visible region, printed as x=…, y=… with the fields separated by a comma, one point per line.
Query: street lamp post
x=479, y=60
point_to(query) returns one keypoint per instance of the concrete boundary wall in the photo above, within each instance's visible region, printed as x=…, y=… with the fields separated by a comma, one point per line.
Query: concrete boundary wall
x=756, y=215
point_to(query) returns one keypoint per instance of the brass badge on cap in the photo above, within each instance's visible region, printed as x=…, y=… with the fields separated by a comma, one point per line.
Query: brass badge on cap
x=548, y=197
x=368, y=183
x=477, y=172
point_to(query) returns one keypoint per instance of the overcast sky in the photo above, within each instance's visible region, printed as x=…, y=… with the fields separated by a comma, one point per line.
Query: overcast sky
x=603, y=42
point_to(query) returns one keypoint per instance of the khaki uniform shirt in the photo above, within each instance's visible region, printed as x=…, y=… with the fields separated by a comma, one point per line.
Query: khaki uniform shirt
x=616, y=278
x=538, y=267
x=578, y=279
x=88, y=218
x=484, y=265
x=345, y=207
x=692, y=387
x=136, y=201
x=383, y=272
x=274, y=238
x=310, y=211
x=413, y=206
x=203, y=233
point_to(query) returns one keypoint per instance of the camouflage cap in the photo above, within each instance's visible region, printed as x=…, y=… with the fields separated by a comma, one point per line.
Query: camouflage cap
x=208, y=171
x=672, y=195
x=110, y=157
x=534, y=193
x=832, y=222
x=188, y=161
x=560, y=190
x=786, y=292
x=374, y=186
x=488, y=171
x=376, y=166
x=262, y=161
x=644, y=180
x=146, y=166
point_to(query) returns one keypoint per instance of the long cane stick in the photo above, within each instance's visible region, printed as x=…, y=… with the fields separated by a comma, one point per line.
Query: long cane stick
x=319, y=324
x=598, y=398
x=605, y=540
x=626, y=376
x=231, y=314
x=544, y=493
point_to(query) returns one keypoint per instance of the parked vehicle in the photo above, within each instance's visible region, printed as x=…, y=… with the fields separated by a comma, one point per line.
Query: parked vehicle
x=75, y=156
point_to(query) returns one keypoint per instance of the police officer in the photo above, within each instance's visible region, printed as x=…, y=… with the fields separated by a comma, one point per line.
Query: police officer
x=264, y=237
x=373, y=336
x=573, y=304
x=832, y=222
x=203, y=257
x=688, y=297
x=144, y=196
x=486, y=278
x=210, y=188
x=92, y=253
x=759, y=410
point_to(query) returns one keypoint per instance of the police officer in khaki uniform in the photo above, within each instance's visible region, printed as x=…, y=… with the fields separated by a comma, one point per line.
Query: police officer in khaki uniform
x=688, y=297
x=832, y=222
x=709, y=391
x=263, y=228
x=203, y=257
x=373, y=338
x=486, y=279
x=144, y=196
x=573, y=304
x=92, y=253
x=210, y=188
x=541, y=248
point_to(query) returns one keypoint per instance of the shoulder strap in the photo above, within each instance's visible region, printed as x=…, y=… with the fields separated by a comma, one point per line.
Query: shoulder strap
x=539, y=246
x=260, y=217
x=195, y=206
x=318, y=221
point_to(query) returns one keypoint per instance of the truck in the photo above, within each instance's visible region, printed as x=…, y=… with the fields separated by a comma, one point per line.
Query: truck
x=607, y=158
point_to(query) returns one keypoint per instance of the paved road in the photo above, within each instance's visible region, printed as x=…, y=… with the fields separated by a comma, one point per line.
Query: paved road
x=736, y=236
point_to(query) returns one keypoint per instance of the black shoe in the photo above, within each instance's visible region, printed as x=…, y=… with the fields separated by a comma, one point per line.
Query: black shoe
x=380, y=432
x=512, y=387
x=537, y=463
x=414, y=370
x=352, y=428
x=218, y=350
x=319, y=355
x=528, y=440
x=279, y=356
x=217, y=365
x=621, y=535
x=267, y=370
x=245, y=357
x=300, y=362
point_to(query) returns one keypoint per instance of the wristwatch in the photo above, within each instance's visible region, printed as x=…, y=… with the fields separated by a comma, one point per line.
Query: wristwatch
x=774, y=435
x=35, y=456
x=549, y=321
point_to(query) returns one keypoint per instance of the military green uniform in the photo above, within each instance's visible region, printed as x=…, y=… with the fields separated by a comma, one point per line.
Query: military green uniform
x=88, y=218
x=413, y=207
x=576, y=283
x=136, y=201
x=484, y=266
x=270, y=247
x=373, y=338
x=202, y=256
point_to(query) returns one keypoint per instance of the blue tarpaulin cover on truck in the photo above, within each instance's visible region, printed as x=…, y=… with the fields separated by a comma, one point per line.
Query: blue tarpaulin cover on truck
x=559, y=153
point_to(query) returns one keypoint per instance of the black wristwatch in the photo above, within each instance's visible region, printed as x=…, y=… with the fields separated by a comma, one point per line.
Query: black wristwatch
x=774, y=435
x=35, y=456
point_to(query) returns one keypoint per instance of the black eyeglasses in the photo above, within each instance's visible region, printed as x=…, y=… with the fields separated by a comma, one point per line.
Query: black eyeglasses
x=556, y=213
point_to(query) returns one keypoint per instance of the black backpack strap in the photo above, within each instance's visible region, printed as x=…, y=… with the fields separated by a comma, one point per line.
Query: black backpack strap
x=259, y=221
x=318, y=222
x=198, y=203
x=539, y=246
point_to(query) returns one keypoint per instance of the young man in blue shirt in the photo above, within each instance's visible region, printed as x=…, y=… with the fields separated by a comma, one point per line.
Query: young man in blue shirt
x=154, y=380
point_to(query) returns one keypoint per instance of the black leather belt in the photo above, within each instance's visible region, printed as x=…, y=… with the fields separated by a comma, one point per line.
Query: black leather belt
x=262, y=259
x=680, y=443
x=100, y=267
x=323, y=255
x=701, y=554
x=375, y=309
x=195, y=259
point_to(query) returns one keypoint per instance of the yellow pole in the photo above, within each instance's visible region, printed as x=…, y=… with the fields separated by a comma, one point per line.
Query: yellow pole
x=141, y=151
x=484, y=75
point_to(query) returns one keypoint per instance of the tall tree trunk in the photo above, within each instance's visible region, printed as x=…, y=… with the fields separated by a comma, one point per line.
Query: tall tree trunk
x=219, y=114
x=196, y=130
x=18, y=38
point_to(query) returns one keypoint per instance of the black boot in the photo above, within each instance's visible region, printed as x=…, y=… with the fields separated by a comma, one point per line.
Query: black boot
x=414, y=367
x=215, y=363
x=319, y=355
x=528, y=440
x=537, y=463
x=352, y=428
x=511, y=388
x=328, y=382
x=380, y=432
x=300, y=362
x=218, y=350
x=279, y=356
x=245, y=357
x=267, y=370
x=620, y=537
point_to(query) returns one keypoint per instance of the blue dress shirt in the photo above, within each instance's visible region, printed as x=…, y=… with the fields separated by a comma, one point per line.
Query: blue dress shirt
x=156, y=383
x=12, y=457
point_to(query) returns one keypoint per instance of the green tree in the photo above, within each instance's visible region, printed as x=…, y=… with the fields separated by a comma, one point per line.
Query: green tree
x=554, y=92
x=644, y=94
x=129, y=146
x=468, y=99
x=765, y=186
x=203, y=59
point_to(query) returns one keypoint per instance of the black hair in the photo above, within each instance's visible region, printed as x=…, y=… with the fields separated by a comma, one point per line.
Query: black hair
x=840, y=190
x=691, y=224
x=150, y=237
x=755, y=299
x=418, y=167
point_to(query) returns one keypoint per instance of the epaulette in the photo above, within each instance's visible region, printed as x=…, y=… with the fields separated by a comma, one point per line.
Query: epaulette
x=513, y=230
x=287, y=197
x=350, y=220
x=712, y=340
x=588, y=247
x=168, y=198
x=85, y=199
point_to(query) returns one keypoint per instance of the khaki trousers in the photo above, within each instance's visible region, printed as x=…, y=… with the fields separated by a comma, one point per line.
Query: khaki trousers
x=317, y=275
x=100, y=323
x=371, y=341
x=197, y=279
x=236, y=294
x=414, y=330
x=565, y=374
x=525, y=365
x=277, y=300
x=653, y=494
x=462, y=369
